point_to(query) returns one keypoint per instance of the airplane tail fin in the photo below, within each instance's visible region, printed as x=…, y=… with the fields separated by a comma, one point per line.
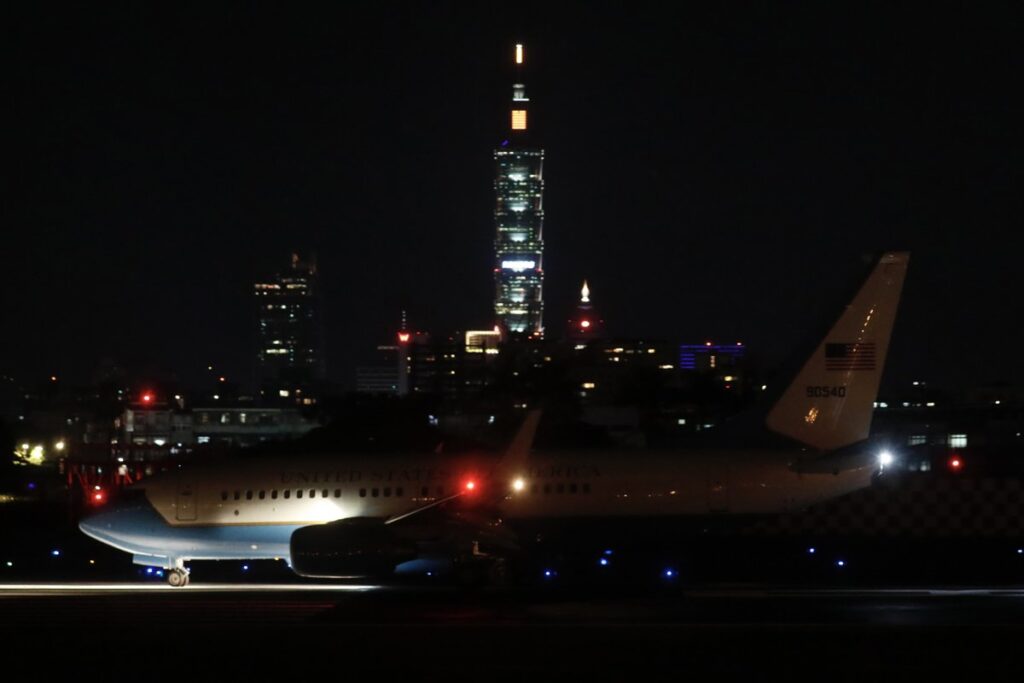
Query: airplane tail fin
x=829, y=403
x=513, y=461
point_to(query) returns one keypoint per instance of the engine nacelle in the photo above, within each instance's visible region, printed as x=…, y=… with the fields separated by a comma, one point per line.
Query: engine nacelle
x=348, y=548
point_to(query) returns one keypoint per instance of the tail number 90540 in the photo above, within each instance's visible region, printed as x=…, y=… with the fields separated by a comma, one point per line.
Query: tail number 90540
x=826, y=392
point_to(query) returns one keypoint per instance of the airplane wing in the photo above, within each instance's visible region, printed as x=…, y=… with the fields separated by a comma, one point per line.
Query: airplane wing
x=511, y=465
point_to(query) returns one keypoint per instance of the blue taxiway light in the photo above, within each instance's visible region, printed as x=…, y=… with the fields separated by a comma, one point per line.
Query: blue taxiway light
x=603, y=562
x=550, y=573
x=245, y=567
x=840, y=563
x=55, y=553
x=669, y=573
x=810, y=550
x=608, y=552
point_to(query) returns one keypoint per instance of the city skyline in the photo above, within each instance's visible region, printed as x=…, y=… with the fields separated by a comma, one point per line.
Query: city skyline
x=717, y=176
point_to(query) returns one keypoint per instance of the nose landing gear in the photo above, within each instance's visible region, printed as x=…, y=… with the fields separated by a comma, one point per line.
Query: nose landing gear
x=177, y=576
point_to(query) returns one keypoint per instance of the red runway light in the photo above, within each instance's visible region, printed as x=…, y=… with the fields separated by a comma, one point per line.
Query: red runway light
x=956, y=463
x=147, y=397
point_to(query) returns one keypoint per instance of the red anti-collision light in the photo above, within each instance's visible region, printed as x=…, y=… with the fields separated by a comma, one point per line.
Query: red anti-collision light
x=956, y=463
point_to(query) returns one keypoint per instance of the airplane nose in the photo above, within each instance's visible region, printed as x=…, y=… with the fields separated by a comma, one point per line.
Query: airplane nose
x=98, y=526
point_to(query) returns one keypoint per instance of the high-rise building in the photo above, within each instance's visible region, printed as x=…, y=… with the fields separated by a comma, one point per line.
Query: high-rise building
x=519, y=219
x=289, y=334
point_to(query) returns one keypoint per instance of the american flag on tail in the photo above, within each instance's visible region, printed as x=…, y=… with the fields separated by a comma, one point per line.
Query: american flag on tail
x=855, y=356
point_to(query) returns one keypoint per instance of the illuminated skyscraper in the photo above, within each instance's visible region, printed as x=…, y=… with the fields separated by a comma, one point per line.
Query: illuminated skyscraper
x=519, y=219
x=289, y=334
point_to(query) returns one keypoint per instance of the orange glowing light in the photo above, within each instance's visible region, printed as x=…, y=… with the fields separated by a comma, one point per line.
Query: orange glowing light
x=518, y=119
x=403, y=337
x=519, y=53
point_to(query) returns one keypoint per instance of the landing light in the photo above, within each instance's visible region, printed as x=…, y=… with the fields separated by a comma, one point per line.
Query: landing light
x=519, y=484
x=885, y=458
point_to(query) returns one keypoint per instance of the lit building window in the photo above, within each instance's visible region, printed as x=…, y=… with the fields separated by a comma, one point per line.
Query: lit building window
x=957, y=440
x=518, y=119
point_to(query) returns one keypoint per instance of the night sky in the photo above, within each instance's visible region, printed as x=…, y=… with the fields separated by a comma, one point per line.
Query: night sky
x=715, y=173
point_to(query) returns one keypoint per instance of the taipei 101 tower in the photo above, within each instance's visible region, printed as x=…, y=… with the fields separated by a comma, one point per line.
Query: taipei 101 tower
x=519, y=219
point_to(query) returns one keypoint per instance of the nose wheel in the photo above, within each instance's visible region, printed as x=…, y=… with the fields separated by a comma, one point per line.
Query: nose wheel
x=177, y=577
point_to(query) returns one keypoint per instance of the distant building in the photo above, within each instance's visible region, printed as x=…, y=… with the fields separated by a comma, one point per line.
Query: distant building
x=709, y=357
x=151, y=431
x=289, y=335
x=519, y=221
x=387, y=374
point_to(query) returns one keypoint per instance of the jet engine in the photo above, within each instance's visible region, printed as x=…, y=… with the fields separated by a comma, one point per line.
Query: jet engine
x=356, y=546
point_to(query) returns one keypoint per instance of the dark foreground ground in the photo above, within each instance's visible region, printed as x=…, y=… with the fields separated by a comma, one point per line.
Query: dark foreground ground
x=307, y=632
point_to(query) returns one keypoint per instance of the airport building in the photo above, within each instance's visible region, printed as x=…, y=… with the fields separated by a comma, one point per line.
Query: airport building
x=289, y=335
x=519, y=221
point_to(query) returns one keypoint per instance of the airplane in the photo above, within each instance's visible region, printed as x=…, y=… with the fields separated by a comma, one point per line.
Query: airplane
x=374, y=516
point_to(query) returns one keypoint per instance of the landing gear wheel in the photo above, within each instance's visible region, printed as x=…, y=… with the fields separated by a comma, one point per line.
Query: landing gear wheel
x=177, y=578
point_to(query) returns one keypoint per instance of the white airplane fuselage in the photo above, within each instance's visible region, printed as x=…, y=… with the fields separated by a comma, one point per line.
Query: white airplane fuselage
x=248, y=509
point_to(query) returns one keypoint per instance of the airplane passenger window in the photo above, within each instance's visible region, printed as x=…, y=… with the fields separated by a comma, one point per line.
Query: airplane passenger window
x=223, y=495
x=248, y=495
x=561, y=488
x=425, y=491
x=263, y=494
x=534, y=489
x=387, y=491
x=298, y=493
x=325, y=494
x=586, y=488
x=547, y=489
x=287, y=493
x=312, y=493
x=362, y=493
x=273, y=494
x=374, y=492
x=399, y=492
x=337, y=493
x=237, y=495
x=572, y=488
